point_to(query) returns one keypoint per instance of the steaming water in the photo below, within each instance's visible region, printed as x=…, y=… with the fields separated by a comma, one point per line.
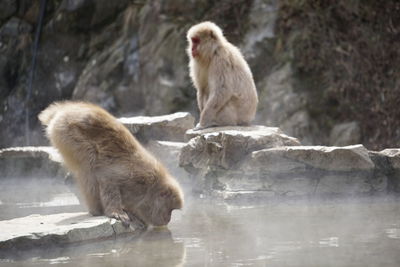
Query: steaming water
x=363, y=232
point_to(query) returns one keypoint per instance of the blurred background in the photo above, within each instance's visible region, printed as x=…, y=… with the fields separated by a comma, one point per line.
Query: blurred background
x=327, y=72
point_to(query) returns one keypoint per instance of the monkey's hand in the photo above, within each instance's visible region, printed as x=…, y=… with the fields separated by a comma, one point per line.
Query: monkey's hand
x=136, y=221
x=121, y=216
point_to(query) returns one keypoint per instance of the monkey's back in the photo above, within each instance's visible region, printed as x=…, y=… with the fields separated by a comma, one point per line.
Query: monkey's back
x=92, y=140
x=236, y=73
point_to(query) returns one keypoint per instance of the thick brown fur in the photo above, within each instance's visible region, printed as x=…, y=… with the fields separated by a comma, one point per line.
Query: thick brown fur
x=226, y=93
x=116, y=175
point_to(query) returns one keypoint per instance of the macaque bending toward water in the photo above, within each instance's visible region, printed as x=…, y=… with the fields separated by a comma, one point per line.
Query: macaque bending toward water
x=226, y=93
x=116, y=175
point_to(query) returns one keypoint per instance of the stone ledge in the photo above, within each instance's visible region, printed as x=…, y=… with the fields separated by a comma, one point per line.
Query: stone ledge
x=42, y=161
x=255, y=132
x=299, y=158
x=170, y=127
x=58, y=229
x=225, y=147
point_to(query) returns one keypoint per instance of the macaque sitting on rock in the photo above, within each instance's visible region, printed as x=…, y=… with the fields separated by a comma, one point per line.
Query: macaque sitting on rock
x=226, y=93
x=116, y=175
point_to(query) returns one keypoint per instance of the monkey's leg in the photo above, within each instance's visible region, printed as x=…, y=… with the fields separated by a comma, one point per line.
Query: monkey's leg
x=216, y=102
x=227, y=116
x=90, y=191
x=111, y=199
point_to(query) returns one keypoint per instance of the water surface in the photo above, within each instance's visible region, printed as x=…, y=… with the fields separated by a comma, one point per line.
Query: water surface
x=346, y=232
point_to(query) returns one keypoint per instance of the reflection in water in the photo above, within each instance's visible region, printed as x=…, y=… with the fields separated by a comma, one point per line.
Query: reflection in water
x=329, y=242
x=363, y=232
x=152, y=248
x=393, y=232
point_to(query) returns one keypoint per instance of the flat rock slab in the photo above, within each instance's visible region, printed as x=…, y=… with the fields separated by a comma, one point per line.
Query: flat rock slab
x=58, y=229
x=305, y=171
x=255, y=132
x=170, y=127
x=226, y=146
x=42, y=161
x=300, y=158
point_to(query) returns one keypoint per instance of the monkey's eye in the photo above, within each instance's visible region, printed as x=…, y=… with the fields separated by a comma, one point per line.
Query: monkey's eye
x=195, y=40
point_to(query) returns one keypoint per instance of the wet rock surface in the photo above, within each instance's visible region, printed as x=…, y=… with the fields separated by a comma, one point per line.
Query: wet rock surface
x=58, y=229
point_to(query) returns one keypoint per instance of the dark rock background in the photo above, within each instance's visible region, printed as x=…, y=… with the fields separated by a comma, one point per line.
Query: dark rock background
x=317, y=64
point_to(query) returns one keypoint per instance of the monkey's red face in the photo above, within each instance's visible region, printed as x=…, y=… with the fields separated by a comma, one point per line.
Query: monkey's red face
x=195, y=43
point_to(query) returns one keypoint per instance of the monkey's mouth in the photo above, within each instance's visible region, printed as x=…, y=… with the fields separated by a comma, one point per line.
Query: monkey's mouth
x=195, y=53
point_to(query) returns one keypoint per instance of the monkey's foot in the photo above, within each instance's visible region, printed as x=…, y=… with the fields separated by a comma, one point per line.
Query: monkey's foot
x=199, y=127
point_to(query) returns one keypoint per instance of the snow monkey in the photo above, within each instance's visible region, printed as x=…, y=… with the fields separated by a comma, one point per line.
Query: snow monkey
x=115, y=174
x=226, y=93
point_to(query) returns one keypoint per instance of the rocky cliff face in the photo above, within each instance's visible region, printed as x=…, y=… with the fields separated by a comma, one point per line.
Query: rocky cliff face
x=129, y=57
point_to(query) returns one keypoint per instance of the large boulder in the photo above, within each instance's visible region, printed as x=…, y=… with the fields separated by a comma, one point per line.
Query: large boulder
x=263, y=162
x=225, y=147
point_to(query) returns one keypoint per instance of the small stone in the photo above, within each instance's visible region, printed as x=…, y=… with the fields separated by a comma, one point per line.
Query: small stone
x=170, y=127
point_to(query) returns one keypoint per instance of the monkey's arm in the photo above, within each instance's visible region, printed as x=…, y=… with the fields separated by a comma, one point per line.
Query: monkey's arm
x=111, y=199
x=200, y=101
x=220, y=93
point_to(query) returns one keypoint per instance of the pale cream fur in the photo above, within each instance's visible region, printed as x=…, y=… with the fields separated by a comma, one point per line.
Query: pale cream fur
x=226, y=93
x=116, y=175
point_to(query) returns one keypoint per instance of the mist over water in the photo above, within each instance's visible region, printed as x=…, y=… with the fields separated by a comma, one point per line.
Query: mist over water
x=307, y=232
x=24, y=196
